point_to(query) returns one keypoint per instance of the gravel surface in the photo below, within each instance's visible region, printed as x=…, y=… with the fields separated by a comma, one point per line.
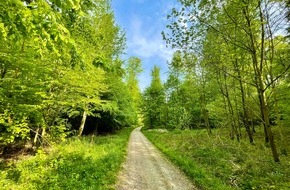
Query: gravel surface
x=147, y=169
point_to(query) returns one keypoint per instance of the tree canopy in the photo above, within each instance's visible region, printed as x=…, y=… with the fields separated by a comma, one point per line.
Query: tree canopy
x=59, y=65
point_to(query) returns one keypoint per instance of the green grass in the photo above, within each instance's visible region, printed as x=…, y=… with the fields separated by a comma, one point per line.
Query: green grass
x=75, y=164
x=218, y=163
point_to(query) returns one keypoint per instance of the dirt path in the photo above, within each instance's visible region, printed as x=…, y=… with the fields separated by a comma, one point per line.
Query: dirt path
x=147, y=169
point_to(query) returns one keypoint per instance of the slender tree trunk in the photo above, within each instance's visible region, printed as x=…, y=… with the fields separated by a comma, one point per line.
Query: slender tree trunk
x=232, y=118
x=36, y=136
x=258, y=68
x=265, y=116
x=255, y=64
x=82, y=126
x=236, y=115
x=271, y=60
x=234, y=131
x=225, y=95
x=246, y=119
x=43, y=132
x=264, y=105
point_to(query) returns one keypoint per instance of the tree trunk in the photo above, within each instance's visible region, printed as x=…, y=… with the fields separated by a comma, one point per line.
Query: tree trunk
x=273, y=84
x=236, y=114
x=82, y=126
x=234, y=131
x=226, y=100
x=258, y=69
x=246, y=119
x=43, y=132
x=36, y=136
x=232, y=115
x=265, y=116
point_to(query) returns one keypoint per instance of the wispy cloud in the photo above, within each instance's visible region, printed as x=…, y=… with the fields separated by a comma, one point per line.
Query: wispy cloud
x=144, y=21
x=146, y=41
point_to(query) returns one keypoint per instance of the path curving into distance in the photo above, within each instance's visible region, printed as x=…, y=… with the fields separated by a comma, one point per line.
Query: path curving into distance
x=147, y=169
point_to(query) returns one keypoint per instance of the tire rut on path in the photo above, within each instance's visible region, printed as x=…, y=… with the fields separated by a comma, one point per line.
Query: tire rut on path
x=147, y=169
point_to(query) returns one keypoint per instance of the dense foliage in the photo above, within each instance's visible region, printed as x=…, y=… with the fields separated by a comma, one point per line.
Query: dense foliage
x=133, y=70
x=153, y=101
x=59, y=65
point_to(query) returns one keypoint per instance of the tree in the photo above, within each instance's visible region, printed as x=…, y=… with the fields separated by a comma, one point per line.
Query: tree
x=182, y=97
x=153, y=101
x=133, y=69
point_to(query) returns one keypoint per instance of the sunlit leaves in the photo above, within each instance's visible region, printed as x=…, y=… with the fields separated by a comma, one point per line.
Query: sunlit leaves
x=154, y=101
x=49, y=63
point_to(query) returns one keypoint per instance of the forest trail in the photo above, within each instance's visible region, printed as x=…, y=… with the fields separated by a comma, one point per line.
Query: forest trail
x=147, y=169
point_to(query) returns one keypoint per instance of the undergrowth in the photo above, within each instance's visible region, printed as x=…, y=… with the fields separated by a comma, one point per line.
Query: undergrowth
x=78, y=163
x=217, y=162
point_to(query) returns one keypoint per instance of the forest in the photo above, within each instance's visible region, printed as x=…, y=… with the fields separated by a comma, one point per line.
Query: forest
x=61, y=68
x=62, y=76
x=232, y=68
x=68, y=94
x=229, y=76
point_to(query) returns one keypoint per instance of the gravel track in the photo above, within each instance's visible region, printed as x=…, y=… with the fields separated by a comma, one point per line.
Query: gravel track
x=147, y=169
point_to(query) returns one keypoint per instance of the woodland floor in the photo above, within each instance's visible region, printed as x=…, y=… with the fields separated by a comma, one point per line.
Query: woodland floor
x=147, y=169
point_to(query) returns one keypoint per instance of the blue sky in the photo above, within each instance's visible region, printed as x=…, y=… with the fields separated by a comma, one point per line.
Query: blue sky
x=143, y=21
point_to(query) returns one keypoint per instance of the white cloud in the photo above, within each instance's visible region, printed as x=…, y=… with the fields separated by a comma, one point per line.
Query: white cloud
x=147, y=42
x=144, y=38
